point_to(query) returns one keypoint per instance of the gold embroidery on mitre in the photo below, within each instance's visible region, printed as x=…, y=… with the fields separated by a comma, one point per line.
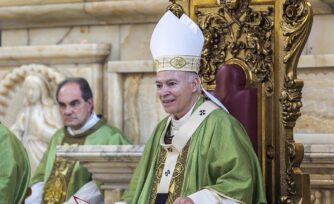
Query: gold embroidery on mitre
x=156, y=63
x=180, y=63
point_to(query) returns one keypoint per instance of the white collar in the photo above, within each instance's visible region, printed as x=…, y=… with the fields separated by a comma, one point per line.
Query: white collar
x=184, y=134
x=92, y=120
x=176, y=124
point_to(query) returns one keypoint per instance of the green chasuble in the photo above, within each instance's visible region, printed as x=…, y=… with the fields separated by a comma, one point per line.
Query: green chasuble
x=100, y=134
x=14, y=168
x=220, y=158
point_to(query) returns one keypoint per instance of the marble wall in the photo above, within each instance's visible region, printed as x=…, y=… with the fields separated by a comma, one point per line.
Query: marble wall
x=106, y=42
x=318, y=101
x=316, y=69
x=315, y=128
x=17, y=62
x=133, y=98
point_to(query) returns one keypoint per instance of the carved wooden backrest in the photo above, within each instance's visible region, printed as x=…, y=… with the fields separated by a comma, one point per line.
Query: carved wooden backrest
x=265, y=38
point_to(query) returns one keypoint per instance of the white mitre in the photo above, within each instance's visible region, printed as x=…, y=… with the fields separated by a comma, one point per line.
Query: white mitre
x=176, y=44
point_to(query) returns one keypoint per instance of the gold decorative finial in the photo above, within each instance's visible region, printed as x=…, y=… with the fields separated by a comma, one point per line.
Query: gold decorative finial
x=175, y=8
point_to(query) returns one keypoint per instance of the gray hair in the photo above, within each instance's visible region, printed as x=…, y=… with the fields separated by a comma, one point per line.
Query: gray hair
x=192, y=76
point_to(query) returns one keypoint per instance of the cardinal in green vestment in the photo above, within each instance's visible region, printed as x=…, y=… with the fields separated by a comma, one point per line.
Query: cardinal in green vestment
x=199, y=153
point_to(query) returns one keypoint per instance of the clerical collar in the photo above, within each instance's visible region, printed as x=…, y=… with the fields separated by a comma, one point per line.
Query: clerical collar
x=92, y=120
x=176, y=124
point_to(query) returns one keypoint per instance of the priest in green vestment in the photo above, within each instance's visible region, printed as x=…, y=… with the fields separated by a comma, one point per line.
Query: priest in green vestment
x=14, y=168
x=200, y=153
x=58, y=180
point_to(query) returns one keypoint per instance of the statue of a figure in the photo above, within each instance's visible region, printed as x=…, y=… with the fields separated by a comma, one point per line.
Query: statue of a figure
x=38, y=120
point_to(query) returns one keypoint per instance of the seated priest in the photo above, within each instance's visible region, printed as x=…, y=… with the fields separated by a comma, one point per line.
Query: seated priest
x=199, y=153
x=59, y=180
x=14, y=168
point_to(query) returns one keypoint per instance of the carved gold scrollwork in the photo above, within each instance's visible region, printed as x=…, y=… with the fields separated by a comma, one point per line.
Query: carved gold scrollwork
x=286, y=200
x=289, y=178
x=290, y=99
x=175, y=8
x=296, y=26
x=236, y=31
x=295, y=153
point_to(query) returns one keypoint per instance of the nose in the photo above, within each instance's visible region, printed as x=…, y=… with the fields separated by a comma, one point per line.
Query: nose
x=163, y=91
x=68, y=110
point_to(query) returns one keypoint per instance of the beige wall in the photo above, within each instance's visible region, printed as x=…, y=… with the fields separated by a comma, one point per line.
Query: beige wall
x=316, y=68
x=106, y=42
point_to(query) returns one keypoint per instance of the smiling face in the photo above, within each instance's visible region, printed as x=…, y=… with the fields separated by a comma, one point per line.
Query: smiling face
x=177, y=91
x=74, y=110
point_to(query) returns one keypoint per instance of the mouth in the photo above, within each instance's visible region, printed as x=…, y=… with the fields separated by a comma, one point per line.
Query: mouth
x=69, y=119
x=167, y=102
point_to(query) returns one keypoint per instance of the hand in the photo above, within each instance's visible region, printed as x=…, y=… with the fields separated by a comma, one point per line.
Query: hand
x=183, y=200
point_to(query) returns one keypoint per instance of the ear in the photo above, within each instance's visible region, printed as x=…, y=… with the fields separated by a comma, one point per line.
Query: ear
x=195, y=84
x=90, y=102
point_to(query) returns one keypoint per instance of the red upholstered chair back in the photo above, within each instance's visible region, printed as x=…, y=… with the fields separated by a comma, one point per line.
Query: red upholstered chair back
x=240, y=101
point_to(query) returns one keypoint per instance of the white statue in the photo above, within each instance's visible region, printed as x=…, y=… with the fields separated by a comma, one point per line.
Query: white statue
x=38, y=120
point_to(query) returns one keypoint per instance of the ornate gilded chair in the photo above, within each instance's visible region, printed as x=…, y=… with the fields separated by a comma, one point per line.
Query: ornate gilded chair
x=258, y=43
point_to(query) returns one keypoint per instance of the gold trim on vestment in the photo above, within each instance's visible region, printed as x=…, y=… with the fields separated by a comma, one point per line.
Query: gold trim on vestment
x=175, y=186
x=158, y=173
x=178, y=175
x=55, y=189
